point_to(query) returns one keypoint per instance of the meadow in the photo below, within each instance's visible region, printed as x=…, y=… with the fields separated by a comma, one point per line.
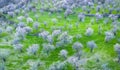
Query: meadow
x=49, y=41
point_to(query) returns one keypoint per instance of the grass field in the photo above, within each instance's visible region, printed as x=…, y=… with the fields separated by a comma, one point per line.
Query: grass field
x=105, y=51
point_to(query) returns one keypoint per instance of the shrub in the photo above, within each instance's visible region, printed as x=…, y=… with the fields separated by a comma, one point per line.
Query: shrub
x=63, y=53
x=32, y=49
x=91, y=45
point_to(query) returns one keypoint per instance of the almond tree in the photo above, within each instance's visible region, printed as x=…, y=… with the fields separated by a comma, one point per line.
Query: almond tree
x=117, y=49
x=63, y=53
x=78, y=48
x=32, y=49
x=91, y=45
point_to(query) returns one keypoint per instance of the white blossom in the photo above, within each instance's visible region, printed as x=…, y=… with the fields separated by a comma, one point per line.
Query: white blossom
x=64, y=37
x=109, y=36
x=18, y=47
x=15, y=40
x=72, y=60
x=44, y=34
x=34, y=65
x=28, y=29
x=77, y=46
x=20, y=18
x=56, y=33
x=98, y=16
x=2, y=66
x=68, y=12
x=91, y=45
x=36, y=25
x=105, y=66
x=63, y=53
x=21, y=24
x=89, y=32
x=81, y=17
x=57, y=66
x=50, y=39
x=29, y=20
x=11, y=14
x=1, y=30
x=47, y=48
x=20, y=32
x=117, y=48
x=115, y=29
x=9, y=29
x=33, y=49
x=4, y=53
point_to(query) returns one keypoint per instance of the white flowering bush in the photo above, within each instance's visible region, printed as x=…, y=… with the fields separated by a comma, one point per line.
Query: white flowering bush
x=18, y=47
x=36, y=25
x=91, y=45
x=64, y=37
x=1, y=31
x=44, y=34
x=4, y=53
x=56, y=33
x=27, y=29
x=89, y=31
x=20, y=32
x=63, y=53
x=68, y=12
x=32, y=49
x=50, y=39
x=47, y=48
x=77, y=46
x=20, y=18
x=21, y=24
x=117, y=49
x=74, y=62
x=109, y=36
x=11, y=14
x=57, y=66
x=115, y=29
x=34, y=65
x=9, y=29
x=105, y=66
x=29, y=20
x=98, y=16
x=15, y=40
x=2, y=66
x=81, y=17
